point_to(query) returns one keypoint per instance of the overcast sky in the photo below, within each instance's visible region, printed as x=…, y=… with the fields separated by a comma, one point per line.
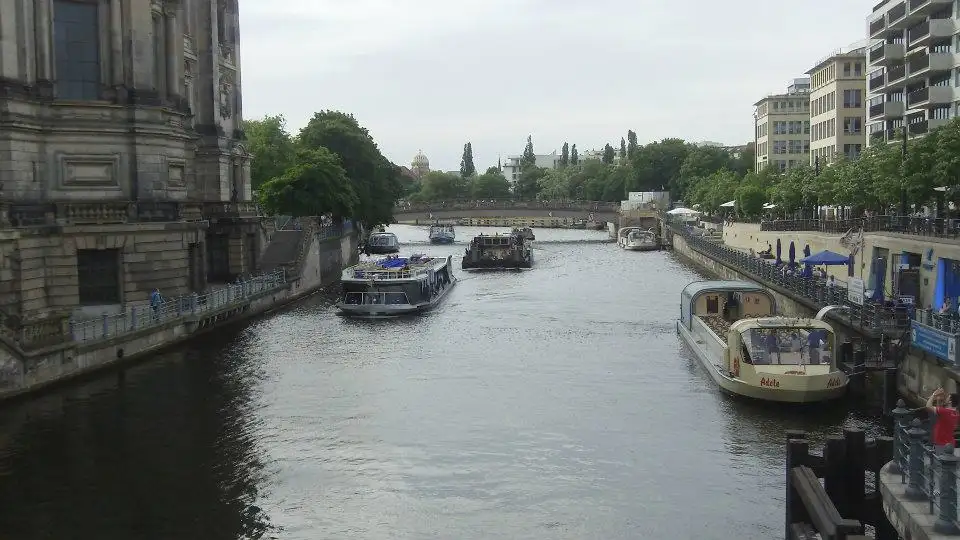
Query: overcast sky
x=433, y=74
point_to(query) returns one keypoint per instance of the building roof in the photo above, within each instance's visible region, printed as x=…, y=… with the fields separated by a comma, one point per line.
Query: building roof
x=857, y=50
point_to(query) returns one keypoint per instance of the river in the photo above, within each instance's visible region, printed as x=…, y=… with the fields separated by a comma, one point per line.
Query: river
x=556, y=403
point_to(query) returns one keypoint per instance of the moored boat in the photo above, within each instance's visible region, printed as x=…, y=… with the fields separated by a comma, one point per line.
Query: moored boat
x=395, y=286
x=637, y=239
x=498, y=252
x=442, y=234
x=733, y=329
x=382, y=243
x=526, y=232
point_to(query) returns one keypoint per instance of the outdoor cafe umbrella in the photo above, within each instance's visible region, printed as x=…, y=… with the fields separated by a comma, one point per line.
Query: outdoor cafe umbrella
x=793, y=253
x=779, y=258
x=826, y=258
x=807, y=269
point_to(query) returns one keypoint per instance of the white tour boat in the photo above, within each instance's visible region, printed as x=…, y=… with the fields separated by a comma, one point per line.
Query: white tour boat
x=395, y=286
x=442, y=234
x=637, y=239
x=734, y=331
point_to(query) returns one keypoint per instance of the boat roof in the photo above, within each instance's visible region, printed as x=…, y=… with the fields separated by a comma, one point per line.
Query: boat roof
x=697, y=287
x=382, y=234
x=780, y=322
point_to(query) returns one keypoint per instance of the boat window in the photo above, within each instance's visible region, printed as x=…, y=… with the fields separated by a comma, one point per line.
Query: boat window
x=713, y=305
x=788, y=346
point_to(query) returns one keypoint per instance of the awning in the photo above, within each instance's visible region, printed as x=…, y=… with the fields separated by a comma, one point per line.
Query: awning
x=729, y=204
x=826, y=257
x=768, y=206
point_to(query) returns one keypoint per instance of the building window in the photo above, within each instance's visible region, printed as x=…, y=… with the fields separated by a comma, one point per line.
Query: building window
x=852, y=125
x=98, y=274
x=852, y=98
x=76, y=41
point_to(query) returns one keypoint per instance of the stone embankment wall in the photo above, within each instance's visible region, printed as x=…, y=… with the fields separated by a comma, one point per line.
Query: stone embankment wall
x=23, y=372
x=919, y=373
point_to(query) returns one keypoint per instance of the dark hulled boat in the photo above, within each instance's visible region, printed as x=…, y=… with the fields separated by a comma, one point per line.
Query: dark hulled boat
x=498, y=252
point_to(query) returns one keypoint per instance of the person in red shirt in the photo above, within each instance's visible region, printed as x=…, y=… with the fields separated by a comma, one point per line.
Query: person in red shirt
x=944, y=406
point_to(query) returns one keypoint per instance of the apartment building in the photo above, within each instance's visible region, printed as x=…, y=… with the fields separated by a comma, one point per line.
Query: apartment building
x=838, y=106
x=911, y=80
x=511, y=167
x=782, y=127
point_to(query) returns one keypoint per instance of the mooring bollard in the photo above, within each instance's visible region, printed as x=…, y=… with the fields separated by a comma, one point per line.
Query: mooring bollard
x=915, y=477
x=946, y=522
x=900, y=424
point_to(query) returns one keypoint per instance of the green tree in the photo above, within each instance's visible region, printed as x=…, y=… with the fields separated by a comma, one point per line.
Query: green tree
x=608, y=154
x=442, y=186
x=565, y=155
x=272, y=147
x=574, y=156
x=490, y=185
x=623, y=150
x=632, y=145
x=315, y=185
x=554, y=185
x=375, y=181
x=529, y=158
x=528, y=183
x=467, y=168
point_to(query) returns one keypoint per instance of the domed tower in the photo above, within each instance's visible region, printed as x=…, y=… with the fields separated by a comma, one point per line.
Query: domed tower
x=420, y=165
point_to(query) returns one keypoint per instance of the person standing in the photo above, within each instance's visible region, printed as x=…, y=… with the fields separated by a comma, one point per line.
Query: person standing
x=155, y=301
x=944, y=406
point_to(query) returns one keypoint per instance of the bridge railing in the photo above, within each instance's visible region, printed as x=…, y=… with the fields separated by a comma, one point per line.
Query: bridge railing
x=471, y=204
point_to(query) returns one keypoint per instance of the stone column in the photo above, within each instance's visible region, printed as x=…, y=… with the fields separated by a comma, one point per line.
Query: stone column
x=116, y=42
x=44, y=28
x=174, y=60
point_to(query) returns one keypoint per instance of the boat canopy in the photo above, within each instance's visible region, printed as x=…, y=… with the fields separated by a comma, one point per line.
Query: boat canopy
x=781, y=322
x=692, y=292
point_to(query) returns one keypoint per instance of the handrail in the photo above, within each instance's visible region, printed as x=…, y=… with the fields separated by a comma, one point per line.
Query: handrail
x=912, y=225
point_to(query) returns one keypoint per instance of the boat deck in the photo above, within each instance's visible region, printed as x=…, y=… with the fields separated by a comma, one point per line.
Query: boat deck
x=405, y=269
x=718, y=324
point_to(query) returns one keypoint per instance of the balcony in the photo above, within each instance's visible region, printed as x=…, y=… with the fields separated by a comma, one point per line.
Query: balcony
x=918, y=32
x=896, y=17
x=887, y=110
x=918, y=97
x=887, y=53
x=942, y=95
x=922, y=34
x=918, y=128
x=935, y=123
x=896, y=73
x=876, y=137
x=877, y=81
x=877, y=26
x=922, y=8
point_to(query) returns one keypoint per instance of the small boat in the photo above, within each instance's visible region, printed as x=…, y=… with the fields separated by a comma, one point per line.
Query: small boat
x=382, y=243
x=526, y=232
x=442, y=234
x=498, y=252
x=637, y=239
x=395, y=286
x=734, y=331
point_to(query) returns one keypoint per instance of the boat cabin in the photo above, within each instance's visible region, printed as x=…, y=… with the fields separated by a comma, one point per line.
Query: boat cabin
x=782, y=341
x=728, y=300
x=383, y=240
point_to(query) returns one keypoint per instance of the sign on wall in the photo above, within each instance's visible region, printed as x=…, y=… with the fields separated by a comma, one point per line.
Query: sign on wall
x=936, y=342
x=855, y=290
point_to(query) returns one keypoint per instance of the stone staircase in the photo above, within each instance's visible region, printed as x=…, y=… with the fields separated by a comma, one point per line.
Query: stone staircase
x=288, y=248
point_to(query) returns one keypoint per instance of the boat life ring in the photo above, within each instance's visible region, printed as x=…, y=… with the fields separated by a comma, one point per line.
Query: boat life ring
x=736, y=367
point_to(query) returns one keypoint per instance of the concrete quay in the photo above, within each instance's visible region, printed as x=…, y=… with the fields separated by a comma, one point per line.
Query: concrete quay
x=111, y=339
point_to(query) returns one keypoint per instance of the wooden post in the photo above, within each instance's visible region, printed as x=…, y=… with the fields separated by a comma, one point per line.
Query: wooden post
x=855, y=466
x=834, y=477
x=797, y=450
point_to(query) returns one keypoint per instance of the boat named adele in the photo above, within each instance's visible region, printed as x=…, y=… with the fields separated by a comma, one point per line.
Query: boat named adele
x=442, y=234
x=637, y=239
x=395, y=286
x=498, y=252
x=734, y=331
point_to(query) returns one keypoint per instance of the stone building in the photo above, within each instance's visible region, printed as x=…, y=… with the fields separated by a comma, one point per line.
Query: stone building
x=122, y=165
x=420, y=166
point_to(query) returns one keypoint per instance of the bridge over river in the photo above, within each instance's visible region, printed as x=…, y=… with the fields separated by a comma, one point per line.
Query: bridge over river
x=595, y=211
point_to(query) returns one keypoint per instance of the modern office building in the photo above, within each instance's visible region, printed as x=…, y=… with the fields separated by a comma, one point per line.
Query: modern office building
x=782, y=127
x=837, y=105
x=911, y=63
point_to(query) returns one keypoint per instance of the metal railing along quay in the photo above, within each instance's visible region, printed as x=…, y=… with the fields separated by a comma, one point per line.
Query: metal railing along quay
x=918, y=226
x=470, y=204
x=930, y=473
x=869, y=316
x=138, y=317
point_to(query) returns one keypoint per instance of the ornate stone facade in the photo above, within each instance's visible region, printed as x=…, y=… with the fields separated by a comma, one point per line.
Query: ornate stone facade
x=120, y=144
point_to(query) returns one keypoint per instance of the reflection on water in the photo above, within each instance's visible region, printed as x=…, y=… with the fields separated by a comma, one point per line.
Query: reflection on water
x=556, y=403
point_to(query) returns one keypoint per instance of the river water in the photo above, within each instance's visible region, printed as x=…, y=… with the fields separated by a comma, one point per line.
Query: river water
x=556, y=403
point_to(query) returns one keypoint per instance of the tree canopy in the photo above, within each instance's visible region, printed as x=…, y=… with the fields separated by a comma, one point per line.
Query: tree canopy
x=333, y=166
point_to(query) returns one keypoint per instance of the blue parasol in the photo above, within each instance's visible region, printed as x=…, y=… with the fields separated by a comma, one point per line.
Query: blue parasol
x=779, y=257
x=793, y=253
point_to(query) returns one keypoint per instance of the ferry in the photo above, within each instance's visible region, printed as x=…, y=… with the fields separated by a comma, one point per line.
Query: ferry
x=526, y=232
x=442, y=234
x=395, y=286
x=734, y=331
x=507, y=252
x=382, y=243
x=637, y=239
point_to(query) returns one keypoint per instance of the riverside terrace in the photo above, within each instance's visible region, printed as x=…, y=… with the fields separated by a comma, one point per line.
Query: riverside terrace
x=870, y=318
x=912, y=225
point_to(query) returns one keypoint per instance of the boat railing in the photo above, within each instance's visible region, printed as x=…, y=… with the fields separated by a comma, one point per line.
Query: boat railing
x=388, y=274
x=375, y=298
